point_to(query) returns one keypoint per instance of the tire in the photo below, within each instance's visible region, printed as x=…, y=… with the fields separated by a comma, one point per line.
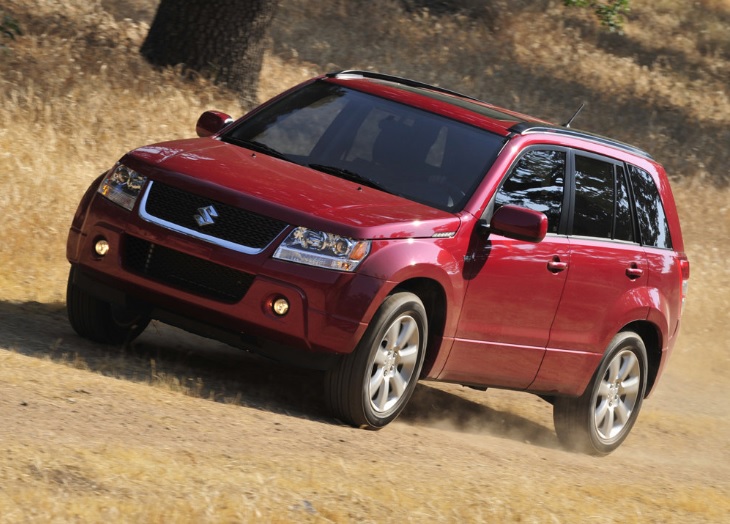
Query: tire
x=370, y=387
x=97, y=320
x=598, y=421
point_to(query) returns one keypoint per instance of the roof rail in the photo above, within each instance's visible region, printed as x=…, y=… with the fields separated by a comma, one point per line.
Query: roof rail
x=526, y=128
x=397, y=80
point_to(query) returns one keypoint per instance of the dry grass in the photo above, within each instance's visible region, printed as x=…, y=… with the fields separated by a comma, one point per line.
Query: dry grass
x=74, y=87
x=74, y=96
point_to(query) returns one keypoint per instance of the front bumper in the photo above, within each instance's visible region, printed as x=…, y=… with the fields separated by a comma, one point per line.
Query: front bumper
x=328, y=313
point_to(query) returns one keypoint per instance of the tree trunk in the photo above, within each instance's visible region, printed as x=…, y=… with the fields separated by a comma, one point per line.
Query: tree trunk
x=221, y=39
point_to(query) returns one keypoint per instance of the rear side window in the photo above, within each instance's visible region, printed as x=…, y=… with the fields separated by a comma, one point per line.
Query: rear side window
x=652, y=220
x=536, y=182
x=602, y=200
x=624, y=229
x=594, y=197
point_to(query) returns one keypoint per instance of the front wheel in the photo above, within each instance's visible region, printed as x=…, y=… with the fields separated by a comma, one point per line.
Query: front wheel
x=598, y=421
x=100, y=321
x=370, y=387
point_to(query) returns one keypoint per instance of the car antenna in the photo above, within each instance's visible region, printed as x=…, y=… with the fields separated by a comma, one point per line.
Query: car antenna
x=570, y=120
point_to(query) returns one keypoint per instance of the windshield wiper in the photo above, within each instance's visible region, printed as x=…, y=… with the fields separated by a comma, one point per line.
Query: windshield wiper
x=256, y=146
x=349, y=175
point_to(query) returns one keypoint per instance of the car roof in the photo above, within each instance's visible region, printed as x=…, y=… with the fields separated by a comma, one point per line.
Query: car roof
x=466, y=108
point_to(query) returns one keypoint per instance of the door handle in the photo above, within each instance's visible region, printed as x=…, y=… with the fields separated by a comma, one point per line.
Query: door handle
x=556, y=266
x=634, y=272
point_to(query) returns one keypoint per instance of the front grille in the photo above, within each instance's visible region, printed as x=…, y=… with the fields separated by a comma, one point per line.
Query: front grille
x=232, y=224
x=184, y=272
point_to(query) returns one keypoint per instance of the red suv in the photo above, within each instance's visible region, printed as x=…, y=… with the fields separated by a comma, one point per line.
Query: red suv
x=385, y=230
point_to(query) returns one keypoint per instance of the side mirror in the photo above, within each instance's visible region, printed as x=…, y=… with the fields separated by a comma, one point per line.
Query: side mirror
x=519, y=223
x=211, y=122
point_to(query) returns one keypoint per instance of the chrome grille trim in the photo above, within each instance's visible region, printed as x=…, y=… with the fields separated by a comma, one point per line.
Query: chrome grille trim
x=240, y=248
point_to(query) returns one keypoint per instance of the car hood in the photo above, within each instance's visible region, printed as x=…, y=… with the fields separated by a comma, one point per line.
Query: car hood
x=286, y=191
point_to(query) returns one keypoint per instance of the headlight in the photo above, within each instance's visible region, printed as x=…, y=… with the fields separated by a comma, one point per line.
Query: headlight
x=316, y=248
x=122, y=186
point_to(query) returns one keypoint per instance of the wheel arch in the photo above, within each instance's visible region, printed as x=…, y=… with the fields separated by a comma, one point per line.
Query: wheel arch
x=433, y=296
x=651, y=337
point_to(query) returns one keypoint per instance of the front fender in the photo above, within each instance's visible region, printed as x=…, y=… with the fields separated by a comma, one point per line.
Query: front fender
x=438, y=260
x=73, y=242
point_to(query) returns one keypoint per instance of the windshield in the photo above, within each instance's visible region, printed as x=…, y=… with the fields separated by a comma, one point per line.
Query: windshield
x=394, y=147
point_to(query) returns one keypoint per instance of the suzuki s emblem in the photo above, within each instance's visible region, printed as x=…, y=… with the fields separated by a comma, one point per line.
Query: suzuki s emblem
x=205, y=216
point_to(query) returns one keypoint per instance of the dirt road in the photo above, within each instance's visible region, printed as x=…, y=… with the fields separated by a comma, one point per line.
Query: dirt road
x=178, y=428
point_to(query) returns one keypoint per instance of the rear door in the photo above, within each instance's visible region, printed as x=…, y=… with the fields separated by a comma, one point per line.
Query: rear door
x=608, y=267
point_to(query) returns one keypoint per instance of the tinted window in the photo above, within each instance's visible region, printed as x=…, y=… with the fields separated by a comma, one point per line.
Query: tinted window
x=537, y=182
x=649, y=210
x=624, y=229
x=297, y=132
x=594, y=197
x=397, y=148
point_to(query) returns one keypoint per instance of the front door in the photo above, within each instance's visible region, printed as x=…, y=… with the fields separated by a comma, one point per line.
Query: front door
x=514, y=287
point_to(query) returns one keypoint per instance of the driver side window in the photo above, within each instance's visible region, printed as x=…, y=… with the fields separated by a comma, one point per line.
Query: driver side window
x=536, y=182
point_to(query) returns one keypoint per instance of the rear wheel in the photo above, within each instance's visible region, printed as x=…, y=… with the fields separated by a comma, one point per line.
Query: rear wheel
x=100, y=321
x=598, y=421
x=370, y=387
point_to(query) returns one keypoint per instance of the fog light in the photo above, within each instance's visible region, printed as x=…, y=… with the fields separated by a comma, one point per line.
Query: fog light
x=101, y=247
x=280, y=306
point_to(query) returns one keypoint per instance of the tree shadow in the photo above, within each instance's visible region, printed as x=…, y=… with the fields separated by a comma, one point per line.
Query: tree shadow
x=167, y=357
x=623, y=45
x=138, y=11
x=174, y=359
x=682, y=141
